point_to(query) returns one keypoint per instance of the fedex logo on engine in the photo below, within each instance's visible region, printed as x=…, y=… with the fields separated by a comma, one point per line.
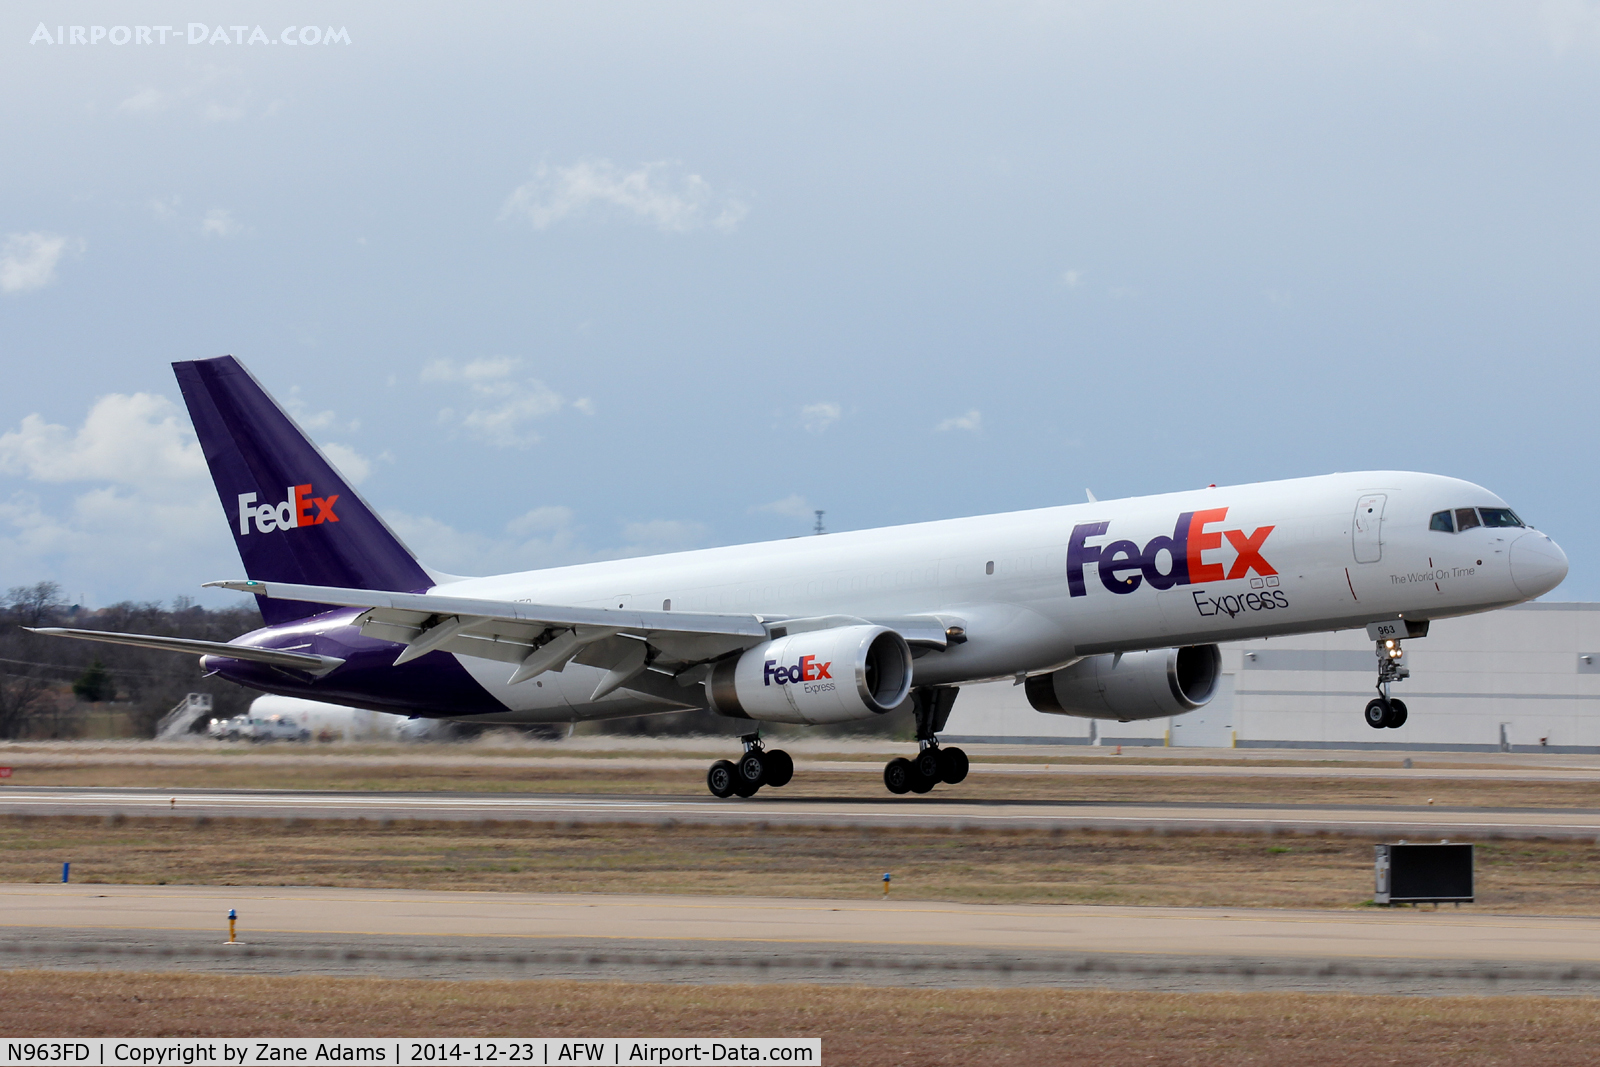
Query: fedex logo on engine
x=301, y=509
x=1124, y=566
x=807, y=670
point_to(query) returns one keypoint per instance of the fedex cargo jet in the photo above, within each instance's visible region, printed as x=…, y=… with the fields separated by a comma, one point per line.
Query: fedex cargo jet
x=1107, y=609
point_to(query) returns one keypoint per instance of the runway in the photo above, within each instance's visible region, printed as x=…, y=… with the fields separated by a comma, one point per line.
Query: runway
x=1002, y=760
x=771, y=807
x=699, y=938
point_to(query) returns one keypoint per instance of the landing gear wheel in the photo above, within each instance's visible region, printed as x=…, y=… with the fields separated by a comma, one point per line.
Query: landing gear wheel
x=921, y=783
x=1397, y=714
x=744, y=787
x=927, y=764
x=719, y=779
x=952, y=765
x=897, y=775
x=780, y=768
x=752, y=767
x=1377, y=713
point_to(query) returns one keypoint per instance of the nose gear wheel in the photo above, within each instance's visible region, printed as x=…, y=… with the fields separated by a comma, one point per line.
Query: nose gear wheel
x=1386, y=712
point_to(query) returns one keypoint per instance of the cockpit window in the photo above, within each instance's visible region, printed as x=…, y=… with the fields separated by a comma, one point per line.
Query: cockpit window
x=1441, y=522
x=1499, y=517
x=1466, y=519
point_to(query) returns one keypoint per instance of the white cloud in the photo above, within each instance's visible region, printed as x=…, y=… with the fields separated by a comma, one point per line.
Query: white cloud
x=547, y=540
x=546, y=536
x=818, y=417
x=549, y=519
x=659, y=535
x=661, y=194
x=219, y=222
x=794, y=505
x=972, y=421
x=316, y=420
x=133, y=440
x=151, y=523
x=1071, y=278
x=352, y=464
x=543, y=537
x=165, y=210
x=144, y=101
x=222, y=113
x=1569, y=23
x=504, y=402
x=28, y=260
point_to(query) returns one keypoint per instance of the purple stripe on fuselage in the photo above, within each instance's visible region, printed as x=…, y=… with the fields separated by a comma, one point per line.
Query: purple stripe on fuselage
x=431, y=685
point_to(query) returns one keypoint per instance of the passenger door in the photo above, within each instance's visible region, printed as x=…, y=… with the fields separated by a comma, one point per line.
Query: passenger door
x=1366, y=531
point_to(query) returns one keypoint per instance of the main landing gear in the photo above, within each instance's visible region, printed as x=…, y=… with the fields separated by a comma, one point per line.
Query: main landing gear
x=1386, y=711
x=756, y=768
x=933, y=763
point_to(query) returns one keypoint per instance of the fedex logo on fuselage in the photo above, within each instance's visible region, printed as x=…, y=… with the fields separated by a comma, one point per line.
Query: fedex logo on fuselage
x=807, y=670
x=301, y=509
x=1124, y=566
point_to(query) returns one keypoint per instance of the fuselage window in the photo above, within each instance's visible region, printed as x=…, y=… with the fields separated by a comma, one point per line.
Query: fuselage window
x=1466, y=519
x=1441, y=522
x=1499, y=517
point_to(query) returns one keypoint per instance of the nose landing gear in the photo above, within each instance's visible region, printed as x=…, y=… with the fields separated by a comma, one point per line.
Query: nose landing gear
x=756, y=768
x=1386, y=711
x=933, y=763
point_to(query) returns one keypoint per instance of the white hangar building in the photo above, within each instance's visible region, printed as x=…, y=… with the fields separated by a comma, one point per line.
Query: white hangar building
x=1522, y=679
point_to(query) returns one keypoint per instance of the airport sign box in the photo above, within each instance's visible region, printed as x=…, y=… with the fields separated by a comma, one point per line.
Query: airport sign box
x=409, y=1052
x=1422, y=874
x=5, y=772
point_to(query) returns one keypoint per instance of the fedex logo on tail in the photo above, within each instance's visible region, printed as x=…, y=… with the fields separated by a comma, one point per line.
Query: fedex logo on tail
x=1124, y=565
x=301, y=509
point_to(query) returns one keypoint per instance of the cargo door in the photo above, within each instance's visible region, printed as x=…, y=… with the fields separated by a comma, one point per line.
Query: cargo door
x=1366, y=531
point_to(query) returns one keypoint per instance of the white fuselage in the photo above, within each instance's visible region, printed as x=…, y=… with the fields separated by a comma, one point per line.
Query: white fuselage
x=1036, y=590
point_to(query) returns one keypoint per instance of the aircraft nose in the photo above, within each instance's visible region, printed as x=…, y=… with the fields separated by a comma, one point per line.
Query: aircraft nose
x=1537, y=564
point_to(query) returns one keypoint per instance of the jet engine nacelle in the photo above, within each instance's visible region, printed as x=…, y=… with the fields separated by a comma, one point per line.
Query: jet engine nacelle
x=1136, y=685
x=814, y=677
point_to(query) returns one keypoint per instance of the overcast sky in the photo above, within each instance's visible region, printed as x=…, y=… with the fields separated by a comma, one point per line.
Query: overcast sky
x=559, y=282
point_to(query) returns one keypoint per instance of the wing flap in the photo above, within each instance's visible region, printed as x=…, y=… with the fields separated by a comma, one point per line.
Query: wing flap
x=535, y=637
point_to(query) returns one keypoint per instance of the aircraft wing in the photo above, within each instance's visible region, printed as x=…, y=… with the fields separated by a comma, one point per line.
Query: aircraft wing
x=536, y=637
x=300, y=661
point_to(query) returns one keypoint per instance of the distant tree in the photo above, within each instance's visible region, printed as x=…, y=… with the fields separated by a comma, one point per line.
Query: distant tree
x=39, y=674
x=94, y=685
x=22, y=692
x=34, y=605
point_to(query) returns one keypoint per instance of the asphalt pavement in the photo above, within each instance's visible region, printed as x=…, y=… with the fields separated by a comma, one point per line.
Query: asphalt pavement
x=288, y=930
x=773, y=807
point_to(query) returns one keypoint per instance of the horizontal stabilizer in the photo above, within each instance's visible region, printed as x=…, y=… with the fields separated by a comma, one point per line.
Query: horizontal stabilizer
x=300, y=661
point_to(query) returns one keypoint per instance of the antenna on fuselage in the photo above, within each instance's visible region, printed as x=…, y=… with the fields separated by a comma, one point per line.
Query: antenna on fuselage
x=817, y=529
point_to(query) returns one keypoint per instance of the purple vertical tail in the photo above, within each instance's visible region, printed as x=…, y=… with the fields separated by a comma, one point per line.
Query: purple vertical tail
x=293, y=516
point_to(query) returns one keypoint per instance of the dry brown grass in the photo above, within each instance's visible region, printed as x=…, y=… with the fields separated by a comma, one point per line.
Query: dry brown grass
x=858, y=1025
x=996, y=866
x=605, y=777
